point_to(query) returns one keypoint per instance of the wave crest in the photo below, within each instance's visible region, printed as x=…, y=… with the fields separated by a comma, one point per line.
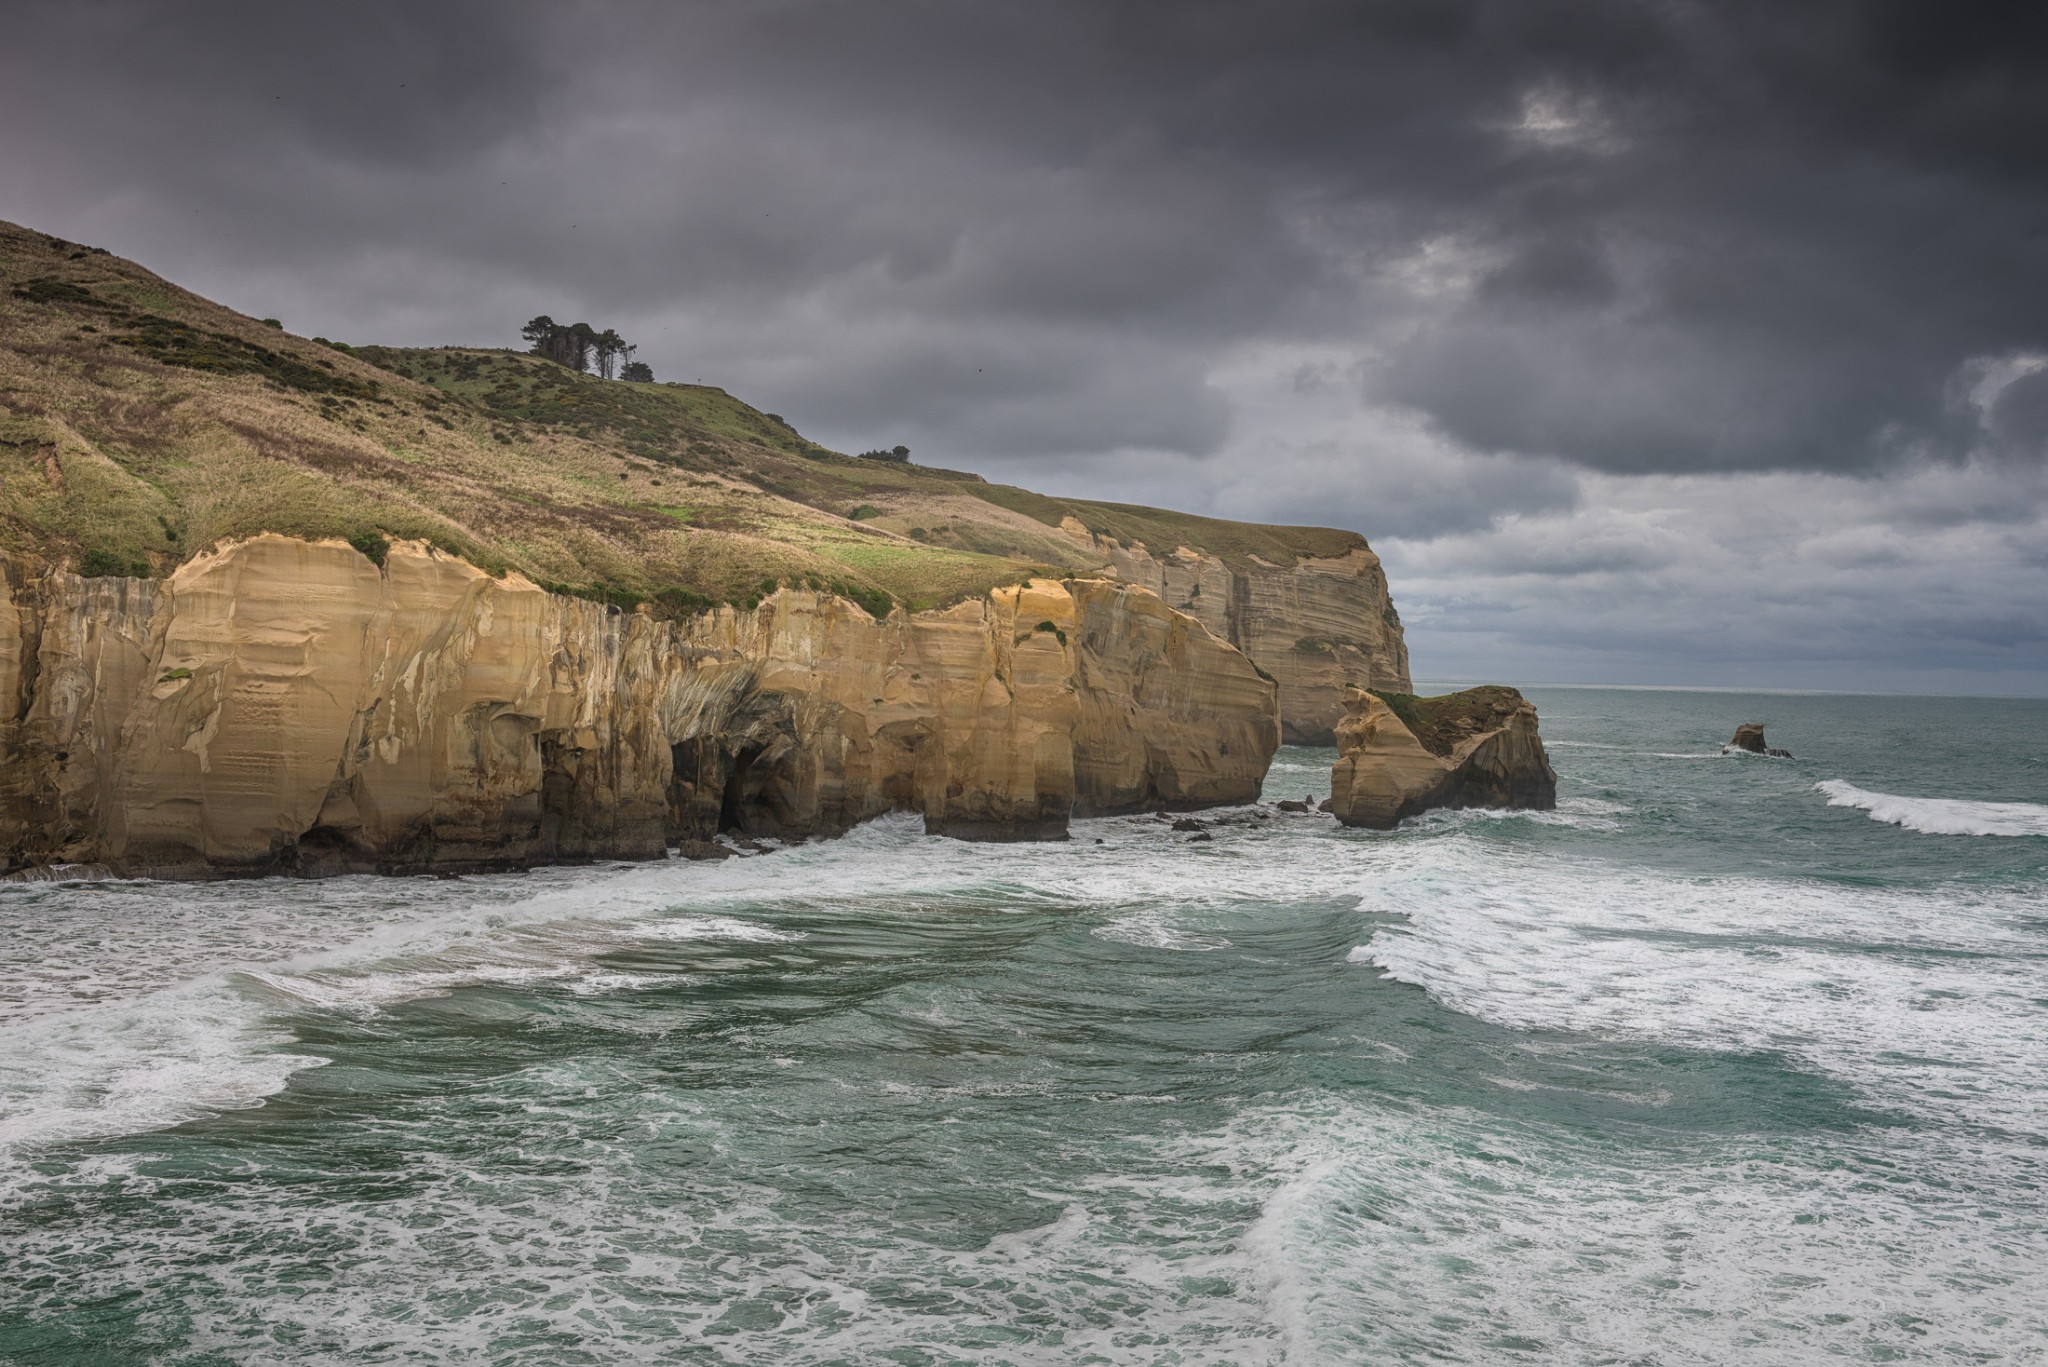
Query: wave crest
x=1940, y=815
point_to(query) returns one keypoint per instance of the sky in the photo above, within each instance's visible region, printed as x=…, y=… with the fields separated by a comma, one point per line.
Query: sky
x=1651, y=343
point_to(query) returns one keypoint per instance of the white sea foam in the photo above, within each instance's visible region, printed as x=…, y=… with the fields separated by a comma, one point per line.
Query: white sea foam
x=144, y=1064
x=1380, y=1229
x=1444, y=1237
x=1924, y=999
x=1940, y=815
x=144, y=1005
x=1584, y=813
x=1159, y=930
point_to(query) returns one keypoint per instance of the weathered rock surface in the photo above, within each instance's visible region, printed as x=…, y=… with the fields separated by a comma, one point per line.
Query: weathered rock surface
x=1478, y=748
x=1318, y=626
x=287, y=706
x=1750, y=736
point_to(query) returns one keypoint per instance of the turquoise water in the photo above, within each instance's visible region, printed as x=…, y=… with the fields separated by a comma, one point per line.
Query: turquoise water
x=1713, y=1065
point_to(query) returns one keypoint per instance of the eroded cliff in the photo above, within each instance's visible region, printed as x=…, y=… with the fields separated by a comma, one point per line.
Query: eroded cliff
x=1318, y=626
x=287, y=705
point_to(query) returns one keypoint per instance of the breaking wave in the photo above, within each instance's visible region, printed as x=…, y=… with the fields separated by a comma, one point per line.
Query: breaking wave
x=1940, y=815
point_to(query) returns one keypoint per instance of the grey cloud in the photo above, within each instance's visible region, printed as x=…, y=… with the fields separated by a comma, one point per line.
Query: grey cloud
x=1728, y=236
x=2019, y=415
x=1510, y=250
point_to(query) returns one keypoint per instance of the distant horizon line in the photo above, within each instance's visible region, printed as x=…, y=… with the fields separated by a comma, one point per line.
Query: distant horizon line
x=1736, y=688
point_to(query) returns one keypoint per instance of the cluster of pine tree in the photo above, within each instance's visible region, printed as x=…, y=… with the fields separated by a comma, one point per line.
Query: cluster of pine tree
x=579, y=346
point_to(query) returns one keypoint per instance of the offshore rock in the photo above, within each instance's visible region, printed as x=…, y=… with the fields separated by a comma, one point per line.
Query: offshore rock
x=1750, y=736
x=280, y=705
x=1478, y=748
x=1318, y=626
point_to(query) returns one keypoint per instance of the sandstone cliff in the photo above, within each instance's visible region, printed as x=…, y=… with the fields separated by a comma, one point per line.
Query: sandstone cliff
x=139, y=422
x=1478, y=748
x=282, y=705
x=1318, y=626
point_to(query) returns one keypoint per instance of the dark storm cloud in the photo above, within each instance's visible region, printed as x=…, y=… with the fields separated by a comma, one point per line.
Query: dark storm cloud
x=1469, y=274
x=1689, y=236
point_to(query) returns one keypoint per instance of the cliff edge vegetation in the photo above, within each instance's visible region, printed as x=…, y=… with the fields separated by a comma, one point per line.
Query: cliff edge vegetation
x=163, y=422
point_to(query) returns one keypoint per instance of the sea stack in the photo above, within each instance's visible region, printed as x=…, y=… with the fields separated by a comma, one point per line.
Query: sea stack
x=1401, y=755
x=1750, y=736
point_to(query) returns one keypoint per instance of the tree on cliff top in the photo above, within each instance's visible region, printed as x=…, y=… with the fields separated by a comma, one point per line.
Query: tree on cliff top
x=578, y=346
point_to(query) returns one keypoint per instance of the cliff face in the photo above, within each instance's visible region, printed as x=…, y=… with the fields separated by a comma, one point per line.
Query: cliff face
x=1319, y=626
x=284, y=705
x=1479, y=748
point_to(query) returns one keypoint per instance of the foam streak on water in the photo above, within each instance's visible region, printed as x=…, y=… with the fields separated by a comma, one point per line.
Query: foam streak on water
x=1701, y=1068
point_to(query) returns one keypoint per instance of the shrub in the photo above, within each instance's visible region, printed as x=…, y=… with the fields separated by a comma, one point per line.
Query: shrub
x=680, y=602
x=54, y=292
x=374, y=546
x=101, y=564
x=864, y=512
x=1403, y=706
x=175, y=343
x=876, y=603
x=1053, y=628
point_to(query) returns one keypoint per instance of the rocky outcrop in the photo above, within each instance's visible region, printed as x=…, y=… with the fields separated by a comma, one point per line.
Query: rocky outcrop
x=1750, y=736
x=1478, y=748
x=279, y=705
x=1318, y=626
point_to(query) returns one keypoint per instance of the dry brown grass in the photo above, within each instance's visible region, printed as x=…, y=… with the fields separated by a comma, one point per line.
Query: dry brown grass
x=140, y=424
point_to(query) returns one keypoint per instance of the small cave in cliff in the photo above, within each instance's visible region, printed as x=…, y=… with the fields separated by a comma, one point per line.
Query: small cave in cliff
x=754, y=788
x=734, y=805
x=761, y=794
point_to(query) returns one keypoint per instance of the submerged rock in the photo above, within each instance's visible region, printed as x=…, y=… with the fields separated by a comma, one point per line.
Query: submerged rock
x=1407, y=755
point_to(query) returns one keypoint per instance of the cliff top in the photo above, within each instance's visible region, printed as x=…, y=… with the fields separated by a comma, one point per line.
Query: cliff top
x=1445, y=721
x=140, y=423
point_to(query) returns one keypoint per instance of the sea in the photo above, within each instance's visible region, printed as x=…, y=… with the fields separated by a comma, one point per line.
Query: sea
x=1728, y=1060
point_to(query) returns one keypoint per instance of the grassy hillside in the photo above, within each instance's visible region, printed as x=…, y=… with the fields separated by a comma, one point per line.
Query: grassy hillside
x=140, y=424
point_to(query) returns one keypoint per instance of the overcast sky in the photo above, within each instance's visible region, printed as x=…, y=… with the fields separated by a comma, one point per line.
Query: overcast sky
x=1648, y=342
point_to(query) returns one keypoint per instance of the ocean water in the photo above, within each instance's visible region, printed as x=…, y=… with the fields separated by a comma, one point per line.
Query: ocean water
x=1728, y=1060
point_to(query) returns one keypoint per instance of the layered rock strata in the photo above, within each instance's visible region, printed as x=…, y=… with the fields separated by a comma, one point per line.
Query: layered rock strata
x=288, y=706
x=1478, y=748
x=1319, y=626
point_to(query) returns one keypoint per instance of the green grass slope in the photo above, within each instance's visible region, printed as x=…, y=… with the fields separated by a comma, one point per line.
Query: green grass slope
x=140, y=424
